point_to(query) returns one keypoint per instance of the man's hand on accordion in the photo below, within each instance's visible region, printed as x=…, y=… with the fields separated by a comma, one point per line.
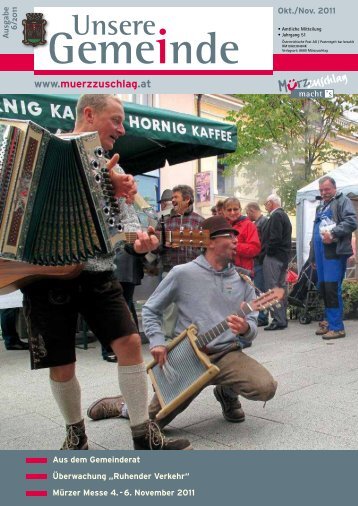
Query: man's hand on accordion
x=124, y=185
x=159, y=354
x=146, y=241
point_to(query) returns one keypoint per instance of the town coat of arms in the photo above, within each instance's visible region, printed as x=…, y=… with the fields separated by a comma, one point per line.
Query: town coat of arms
x=34, y=29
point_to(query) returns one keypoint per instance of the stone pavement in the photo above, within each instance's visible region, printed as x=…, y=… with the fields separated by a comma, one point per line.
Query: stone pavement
x=316, y=405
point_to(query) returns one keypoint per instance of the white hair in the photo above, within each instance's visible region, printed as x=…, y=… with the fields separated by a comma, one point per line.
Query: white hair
x=275, y=199
x=97, y=102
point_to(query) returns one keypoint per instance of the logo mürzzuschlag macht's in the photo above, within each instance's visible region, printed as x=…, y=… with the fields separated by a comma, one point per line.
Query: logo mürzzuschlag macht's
x=34, y=29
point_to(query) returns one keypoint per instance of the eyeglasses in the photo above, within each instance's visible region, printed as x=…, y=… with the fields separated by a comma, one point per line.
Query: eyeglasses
x=232, y=235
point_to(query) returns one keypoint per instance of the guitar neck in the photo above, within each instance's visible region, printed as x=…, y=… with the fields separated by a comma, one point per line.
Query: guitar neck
x=131, y=237
x=204, y=339
x=174, y=238
x=264, y=301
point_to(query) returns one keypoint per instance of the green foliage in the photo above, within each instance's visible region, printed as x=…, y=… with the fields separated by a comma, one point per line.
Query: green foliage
x=282, y=141
x=350, y=297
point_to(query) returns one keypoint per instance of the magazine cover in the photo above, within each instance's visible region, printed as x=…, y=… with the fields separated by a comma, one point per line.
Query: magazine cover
x=178, y=264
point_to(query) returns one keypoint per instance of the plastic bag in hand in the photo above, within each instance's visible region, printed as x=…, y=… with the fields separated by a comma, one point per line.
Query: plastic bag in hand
x=326, y=225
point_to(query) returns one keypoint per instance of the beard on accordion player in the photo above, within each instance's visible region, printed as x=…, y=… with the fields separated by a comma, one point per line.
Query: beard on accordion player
x=205, y=290
x=52, y=305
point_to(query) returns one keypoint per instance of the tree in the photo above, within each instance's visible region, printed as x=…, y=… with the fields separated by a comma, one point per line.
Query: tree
x=283, y=141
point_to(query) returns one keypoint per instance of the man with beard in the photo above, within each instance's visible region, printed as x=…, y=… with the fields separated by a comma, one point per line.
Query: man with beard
x=207, y=291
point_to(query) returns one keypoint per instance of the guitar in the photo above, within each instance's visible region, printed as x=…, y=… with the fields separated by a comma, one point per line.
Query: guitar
x=14, y=274
x=187, y=368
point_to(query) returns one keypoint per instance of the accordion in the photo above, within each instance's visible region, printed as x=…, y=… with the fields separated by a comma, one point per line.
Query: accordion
x=57, y=204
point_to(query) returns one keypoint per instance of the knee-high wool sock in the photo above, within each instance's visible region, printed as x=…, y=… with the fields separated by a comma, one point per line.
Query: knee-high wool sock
x=134, y=387
x=67, y=394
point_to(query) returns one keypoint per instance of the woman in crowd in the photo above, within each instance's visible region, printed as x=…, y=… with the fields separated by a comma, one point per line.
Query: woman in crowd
x=248, y=242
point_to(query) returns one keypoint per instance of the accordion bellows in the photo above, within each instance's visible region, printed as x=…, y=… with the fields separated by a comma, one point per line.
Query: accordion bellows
x=57, y=204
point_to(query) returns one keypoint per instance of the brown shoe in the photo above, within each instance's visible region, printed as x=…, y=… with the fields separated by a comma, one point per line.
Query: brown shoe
x=334, y=334
x=322, y=328
x=231, y=407
x=107, y=407
x=76, y=438
x=148, y=436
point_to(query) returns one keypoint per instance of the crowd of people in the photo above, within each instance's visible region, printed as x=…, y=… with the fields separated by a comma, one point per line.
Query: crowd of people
x=192, y=280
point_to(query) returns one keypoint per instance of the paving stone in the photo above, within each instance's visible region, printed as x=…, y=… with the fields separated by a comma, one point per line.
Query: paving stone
x=315, y=407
